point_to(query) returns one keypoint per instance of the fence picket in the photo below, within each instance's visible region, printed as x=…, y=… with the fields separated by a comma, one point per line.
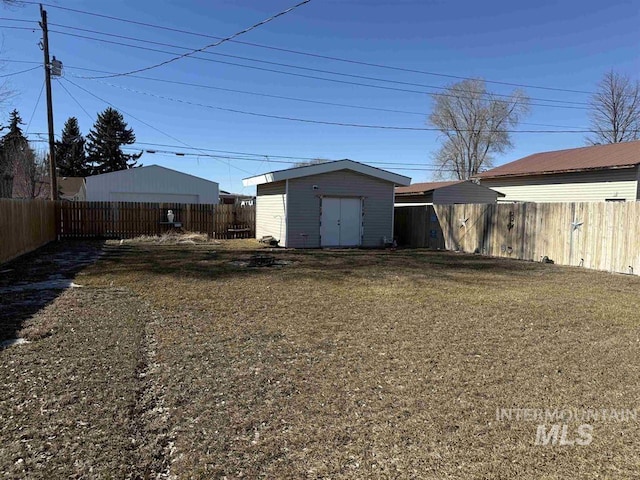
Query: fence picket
x=131, y=219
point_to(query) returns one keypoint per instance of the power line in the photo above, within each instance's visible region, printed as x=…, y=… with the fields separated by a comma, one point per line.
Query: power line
x=211, y=45
x=10, y=60
x=211, y=87
x=8, y=19
x=300, y=75
x=13, y=27
x=75, y=100
x=314, y=55
x=286, y=65
x=297, y=99
x=199, y=85
x=266, y=155
x=259, y=94
x=322, y=122
x=135, y=118
x=36, y=106
x=20, y=72
x=246, y=156
x=391, y=166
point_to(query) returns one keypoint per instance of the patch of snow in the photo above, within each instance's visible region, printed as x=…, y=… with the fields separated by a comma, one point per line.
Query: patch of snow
x=13, y=341
x=54, y=284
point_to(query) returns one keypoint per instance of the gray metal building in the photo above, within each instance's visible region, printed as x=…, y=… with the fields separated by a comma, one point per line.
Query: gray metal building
x=152, y=183
x=333, y=204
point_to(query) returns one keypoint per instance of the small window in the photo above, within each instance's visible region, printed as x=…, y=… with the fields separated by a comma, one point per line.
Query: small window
x=615, y=200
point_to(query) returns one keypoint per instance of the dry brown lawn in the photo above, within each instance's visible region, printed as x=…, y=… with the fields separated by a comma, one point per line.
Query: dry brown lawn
x=179, y=361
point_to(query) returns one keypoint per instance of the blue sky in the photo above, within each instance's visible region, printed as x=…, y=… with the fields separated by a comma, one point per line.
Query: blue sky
x=559, y=44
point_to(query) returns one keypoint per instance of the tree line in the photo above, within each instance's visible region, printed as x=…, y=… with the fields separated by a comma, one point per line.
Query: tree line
x=24, y=172
x=476, y=124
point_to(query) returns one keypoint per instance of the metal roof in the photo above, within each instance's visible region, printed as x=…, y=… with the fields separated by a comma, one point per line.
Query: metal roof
x=420, y=188
x=597, y=157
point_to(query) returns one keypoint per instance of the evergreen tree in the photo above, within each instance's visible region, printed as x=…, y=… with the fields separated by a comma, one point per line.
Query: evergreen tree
x=105, y=140
x=14, y=147
x=71, y=159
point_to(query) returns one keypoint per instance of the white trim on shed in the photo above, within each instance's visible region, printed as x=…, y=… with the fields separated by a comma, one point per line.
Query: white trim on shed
x=305, y=171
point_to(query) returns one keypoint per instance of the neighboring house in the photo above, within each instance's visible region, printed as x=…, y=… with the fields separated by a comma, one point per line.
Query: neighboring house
x=151, y=184
x=587, y=174
x=332, y=204
x=73, y=189
x=455, y=191
x=227, y=198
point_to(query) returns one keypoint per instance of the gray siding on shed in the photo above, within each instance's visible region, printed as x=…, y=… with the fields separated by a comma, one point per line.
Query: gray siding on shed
x=464, y=192
x=303, y=216
x=593, y=186
x=271, y=204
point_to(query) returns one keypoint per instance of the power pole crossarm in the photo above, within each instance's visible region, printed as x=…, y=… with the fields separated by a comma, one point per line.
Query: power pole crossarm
x=47, y=77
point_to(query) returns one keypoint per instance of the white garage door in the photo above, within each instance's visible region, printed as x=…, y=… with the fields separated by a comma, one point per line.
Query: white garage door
x=341, y=222
x=153, y=197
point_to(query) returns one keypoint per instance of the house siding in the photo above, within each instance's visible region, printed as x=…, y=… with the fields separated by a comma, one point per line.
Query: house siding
x=151, y=184
x=271, y=201
x=466, y=192
x=593, y=186
x=304, y=206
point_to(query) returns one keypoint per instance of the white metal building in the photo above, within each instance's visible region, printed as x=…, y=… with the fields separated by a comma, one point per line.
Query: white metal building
x=334, y=204
x=151, y=183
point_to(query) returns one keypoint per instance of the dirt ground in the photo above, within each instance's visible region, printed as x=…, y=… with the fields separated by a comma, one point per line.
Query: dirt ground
x=186, y=361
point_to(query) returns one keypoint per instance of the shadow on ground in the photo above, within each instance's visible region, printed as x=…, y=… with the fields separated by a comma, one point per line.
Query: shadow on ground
x=32, y=281
x=210, y=262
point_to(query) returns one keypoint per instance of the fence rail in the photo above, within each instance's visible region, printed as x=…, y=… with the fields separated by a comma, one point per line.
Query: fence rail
x=601, y=236
x=24, y=226
x=132, y=219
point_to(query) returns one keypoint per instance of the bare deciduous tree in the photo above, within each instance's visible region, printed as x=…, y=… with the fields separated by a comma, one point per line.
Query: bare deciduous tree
x=615, y=110
x=30, y=175
x=475, y=125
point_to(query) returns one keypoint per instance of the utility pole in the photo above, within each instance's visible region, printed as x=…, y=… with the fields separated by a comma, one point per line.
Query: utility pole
x=47, y=79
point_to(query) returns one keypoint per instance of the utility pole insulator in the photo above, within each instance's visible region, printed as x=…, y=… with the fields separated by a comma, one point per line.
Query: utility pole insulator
x=47, y=78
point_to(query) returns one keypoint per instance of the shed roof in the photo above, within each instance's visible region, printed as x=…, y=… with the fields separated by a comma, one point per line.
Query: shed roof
x=316, y=169
x=422, y=188
x=430, y=187
x=597, y=157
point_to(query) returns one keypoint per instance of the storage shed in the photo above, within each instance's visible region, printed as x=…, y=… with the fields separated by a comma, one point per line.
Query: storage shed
x=152, y=183
x=333, y=204
x=439, y=193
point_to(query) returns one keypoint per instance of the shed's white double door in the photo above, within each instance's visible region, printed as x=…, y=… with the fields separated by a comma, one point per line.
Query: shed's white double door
x=341, y=222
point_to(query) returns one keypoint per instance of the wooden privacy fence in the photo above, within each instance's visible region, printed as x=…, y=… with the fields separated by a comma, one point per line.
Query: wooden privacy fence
x=24, y=226
x=602, y=236
x=417, y=227
x=132, y=219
